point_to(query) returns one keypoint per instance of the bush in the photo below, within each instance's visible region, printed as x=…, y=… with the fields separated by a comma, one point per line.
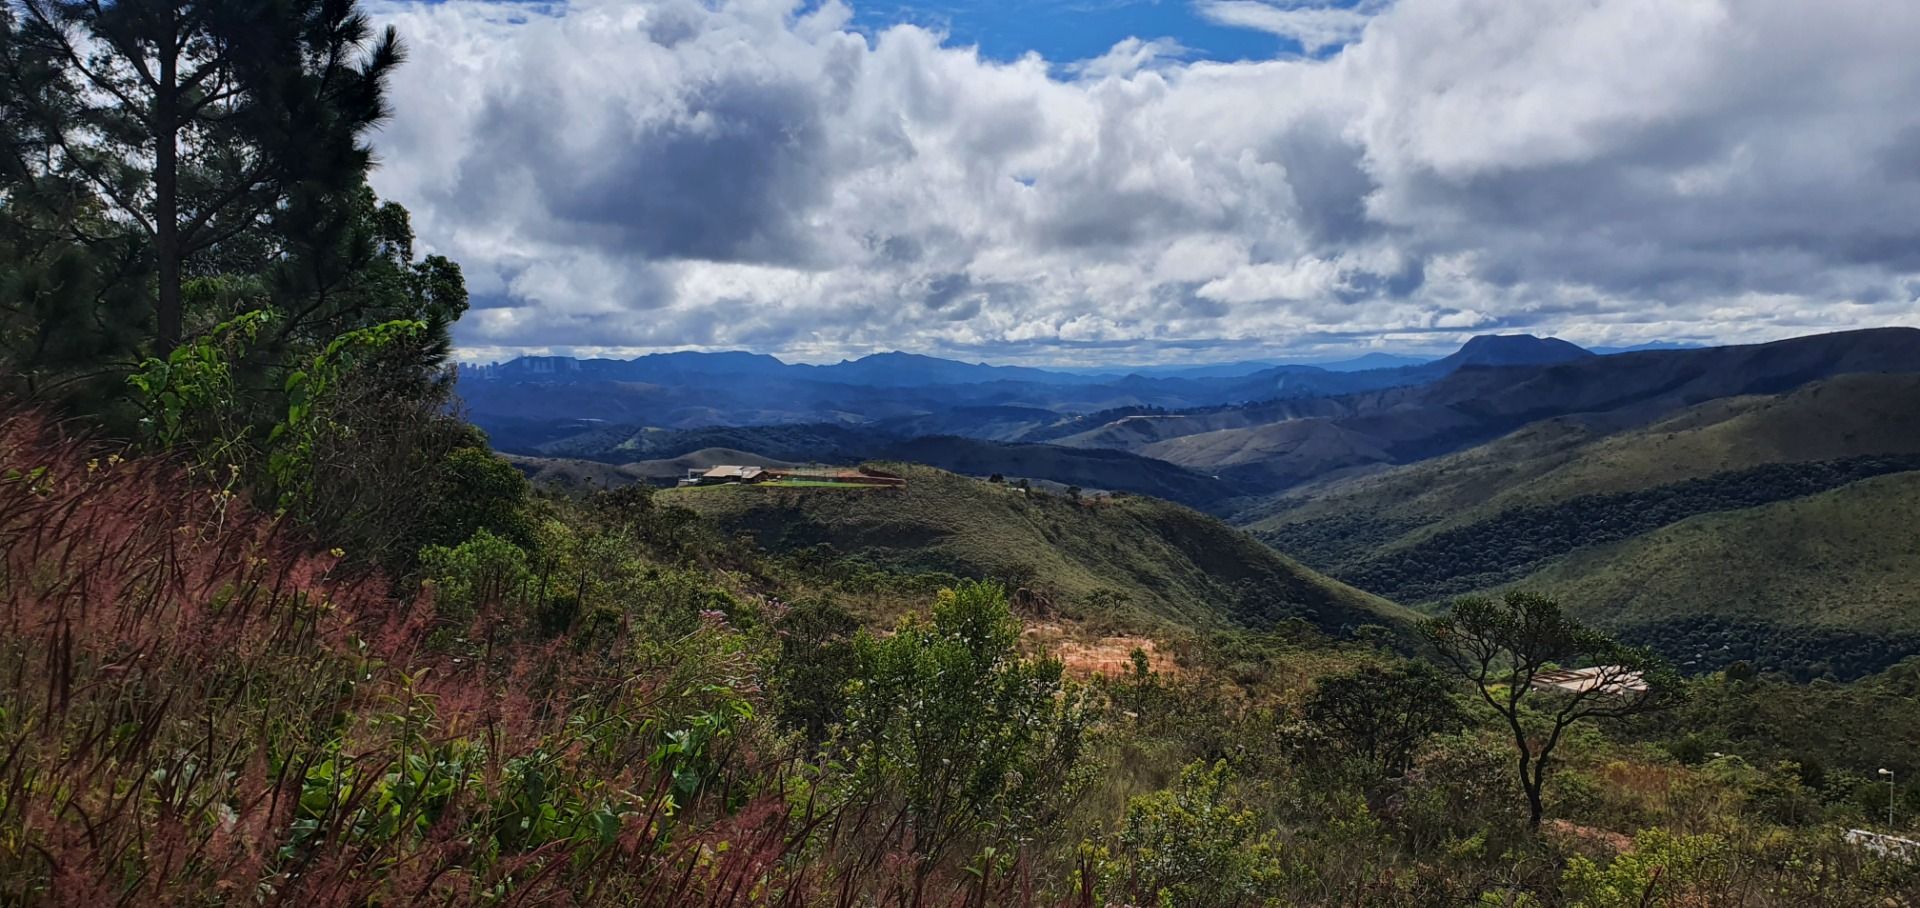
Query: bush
x=972, y=745
x=816, y=661
x=1662, y=869
x=1192, y=844
x=1380, y=716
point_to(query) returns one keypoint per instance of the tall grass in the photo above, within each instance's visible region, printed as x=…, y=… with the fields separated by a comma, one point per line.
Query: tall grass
x=198, y=705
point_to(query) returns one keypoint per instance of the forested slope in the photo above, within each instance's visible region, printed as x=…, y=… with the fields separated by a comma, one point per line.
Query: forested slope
x=1495, y=513
x=1825, y=584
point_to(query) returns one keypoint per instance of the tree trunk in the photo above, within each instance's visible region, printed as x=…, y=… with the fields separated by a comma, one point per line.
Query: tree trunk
x=1532, y=774
x=166, y=186
x=1535, y=808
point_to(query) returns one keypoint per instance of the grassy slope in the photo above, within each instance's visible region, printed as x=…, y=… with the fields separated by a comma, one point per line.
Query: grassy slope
x=1844, y=417
x=1170, y=564
x=771, y=445
x=1698, y=534
x=1556, y=460
x=1846, y=559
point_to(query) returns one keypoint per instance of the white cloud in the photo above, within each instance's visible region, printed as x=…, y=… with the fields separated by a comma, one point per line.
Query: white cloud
x=1130, y=56
x=749, y=174
x=1315, y=27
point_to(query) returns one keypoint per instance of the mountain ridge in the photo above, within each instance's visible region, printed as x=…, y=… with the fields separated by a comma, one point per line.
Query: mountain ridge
x=1168, y=562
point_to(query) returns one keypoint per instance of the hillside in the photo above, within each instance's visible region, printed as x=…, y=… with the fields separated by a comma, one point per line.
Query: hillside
x=1165, y=563
x=1475, y=404
x=574, y=474
x=1089, y=468
x=1824, y=584
x=1277, y=455
x=1425, y=530
x=305, y=607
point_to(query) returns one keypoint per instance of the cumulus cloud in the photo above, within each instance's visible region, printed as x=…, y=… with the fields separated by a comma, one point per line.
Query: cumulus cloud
x=1315, y=27
x=622, y=176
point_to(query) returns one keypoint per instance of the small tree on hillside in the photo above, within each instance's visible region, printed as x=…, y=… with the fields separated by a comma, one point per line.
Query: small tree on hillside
x=959, y=738
x=1381, y=716
x=1505, y=646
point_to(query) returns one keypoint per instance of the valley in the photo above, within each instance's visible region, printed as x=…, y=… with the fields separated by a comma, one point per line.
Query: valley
x=1517, y=462
x=793, y=454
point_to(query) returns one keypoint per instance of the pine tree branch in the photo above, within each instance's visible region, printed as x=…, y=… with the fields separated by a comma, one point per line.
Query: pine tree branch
x=64, y=47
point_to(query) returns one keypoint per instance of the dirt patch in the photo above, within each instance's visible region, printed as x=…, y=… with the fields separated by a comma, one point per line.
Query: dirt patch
x=1588, y=838
x=1085, y=656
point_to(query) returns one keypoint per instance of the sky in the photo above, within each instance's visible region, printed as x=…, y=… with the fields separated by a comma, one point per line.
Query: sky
x=1087, y=182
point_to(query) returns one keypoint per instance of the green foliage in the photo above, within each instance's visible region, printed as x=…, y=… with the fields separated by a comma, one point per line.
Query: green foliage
x=1502, y=647
x=365, y=805
x=945, y=719
x=1380, y=716
x=1462, y=798
x=292, y=442
x=1769, y=721
x=1663, y=869
x=190, y=397
x=484, y=572
x=817, y=659
x=1192, y=844
x=478, y=491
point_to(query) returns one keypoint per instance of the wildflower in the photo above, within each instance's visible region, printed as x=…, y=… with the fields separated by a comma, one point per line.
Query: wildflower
x=337, y=552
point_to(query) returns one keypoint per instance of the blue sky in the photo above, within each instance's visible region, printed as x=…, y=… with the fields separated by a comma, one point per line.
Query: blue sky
x=1067, y=30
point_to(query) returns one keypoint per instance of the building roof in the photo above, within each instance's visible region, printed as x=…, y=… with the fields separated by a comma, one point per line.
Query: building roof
x=727, y=471
x=1610, y=678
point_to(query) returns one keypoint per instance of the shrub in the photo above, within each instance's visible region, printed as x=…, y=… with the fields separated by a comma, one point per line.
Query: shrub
x=1192, y=844
x=816, y=661
x=1662, y=869
x=1380, y=716
x=957, y=738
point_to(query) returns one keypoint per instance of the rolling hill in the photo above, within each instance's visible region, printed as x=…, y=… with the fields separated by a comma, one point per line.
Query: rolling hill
x=1166, y=563
x=581, y=475
x=1475, y=404
x=1554, y=461
x=1567, y=505
x=1092, y=469
x=1826, y=584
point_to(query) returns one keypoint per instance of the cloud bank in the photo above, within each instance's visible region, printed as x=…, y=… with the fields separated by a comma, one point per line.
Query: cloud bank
x=755, y=174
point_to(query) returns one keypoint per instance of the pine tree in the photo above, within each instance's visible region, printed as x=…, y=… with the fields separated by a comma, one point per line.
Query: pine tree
x=211, y=130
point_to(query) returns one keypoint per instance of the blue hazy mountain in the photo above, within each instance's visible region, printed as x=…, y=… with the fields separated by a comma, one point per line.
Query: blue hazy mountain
x=690, y=389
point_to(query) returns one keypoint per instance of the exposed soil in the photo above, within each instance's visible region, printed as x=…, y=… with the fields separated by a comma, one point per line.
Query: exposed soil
x=1085, y=657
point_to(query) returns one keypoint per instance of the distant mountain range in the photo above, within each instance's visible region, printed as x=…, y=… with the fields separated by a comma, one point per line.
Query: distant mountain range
x=893, y=369
x=692, y=390
x=1719, y=503
x=1228, y=436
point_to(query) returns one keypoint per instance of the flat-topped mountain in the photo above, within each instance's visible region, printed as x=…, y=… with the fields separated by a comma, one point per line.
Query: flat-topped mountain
x=1512, y=350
